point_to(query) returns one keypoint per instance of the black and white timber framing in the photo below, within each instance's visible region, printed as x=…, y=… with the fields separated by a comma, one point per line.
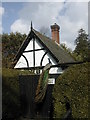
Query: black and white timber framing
x=37, y=50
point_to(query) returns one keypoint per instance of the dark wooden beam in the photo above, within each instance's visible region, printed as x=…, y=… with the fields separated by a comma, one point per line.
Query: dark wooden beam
x=33, y=50
x=42, y=58
x=58, y=65
x=26, y=61
x=23, y=46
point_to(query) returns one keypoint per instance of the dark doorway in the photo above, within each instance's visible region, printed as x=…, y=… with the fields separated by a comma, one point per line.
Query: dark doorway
x=28, y=85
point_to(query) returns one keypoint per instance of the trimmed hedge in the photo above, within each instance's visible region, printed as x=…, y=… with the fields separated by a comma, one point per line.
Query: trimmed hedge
x=10, y=93
x=72, y=86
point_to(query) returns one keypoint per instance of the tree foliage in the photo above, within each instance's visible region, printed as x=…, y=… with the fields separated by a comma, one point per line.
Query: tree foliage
x=69, y=51
x=82, y=45
x=10, y=94
x=10, y=45
x=72, y=86
x=11, y=107
x=66, y=48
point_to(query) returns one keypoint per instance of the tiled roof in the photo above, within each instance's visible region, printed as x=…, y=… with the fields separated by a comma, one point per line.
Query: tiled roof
x=55, y=49
x=57, y=52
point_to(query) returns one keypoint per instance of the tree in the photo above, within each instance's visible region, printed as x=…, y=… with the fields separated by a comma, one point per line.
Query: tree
x=10, y=45
x=66, y=48
x=82, y=45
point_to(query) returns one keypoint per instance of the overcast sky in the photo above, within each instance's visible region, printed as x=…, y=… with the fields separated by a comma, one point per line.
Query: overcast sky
x=70, y=16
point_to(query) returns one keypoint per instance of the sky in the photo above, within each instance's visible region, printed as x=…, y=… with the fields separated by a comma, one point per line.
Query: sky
x=70, y=16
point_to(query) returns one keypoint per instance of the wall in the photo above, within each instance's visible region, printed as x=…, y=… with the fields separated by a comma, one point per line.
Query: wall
x=38, y=57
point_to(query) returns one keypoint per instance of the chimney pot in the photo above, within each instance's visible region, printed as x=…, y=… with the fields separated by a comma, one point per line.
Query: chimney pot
x=55, y=32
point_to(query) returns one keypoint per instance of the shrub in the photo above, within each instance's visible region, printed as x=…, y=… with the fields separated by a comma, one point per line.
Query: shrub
x=72, y=86
x=10, y=93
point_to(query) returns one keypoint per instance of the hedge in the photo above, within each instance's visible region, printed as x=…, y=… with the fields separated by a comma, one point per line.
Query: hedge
x=10, y=93
x=72, y=87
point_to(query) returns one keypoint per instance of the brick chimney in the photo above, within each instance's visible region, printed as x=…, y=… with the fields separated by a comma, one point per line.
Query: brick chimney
x=55, y=32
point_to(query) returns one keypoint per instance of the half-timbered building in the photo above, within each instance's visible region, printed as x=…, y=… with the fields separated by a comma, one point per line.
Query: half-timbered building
x=37, y=50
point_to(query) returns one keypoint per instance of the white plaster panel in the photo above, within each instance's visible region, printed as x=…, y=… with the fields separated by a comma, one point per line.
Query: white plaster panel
x=52, y=70
x=29, y=46
x=21, y=63
x=38, y=57
x=29, y=57
x=37, y=45
x=45, y=60
x=55, y=70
